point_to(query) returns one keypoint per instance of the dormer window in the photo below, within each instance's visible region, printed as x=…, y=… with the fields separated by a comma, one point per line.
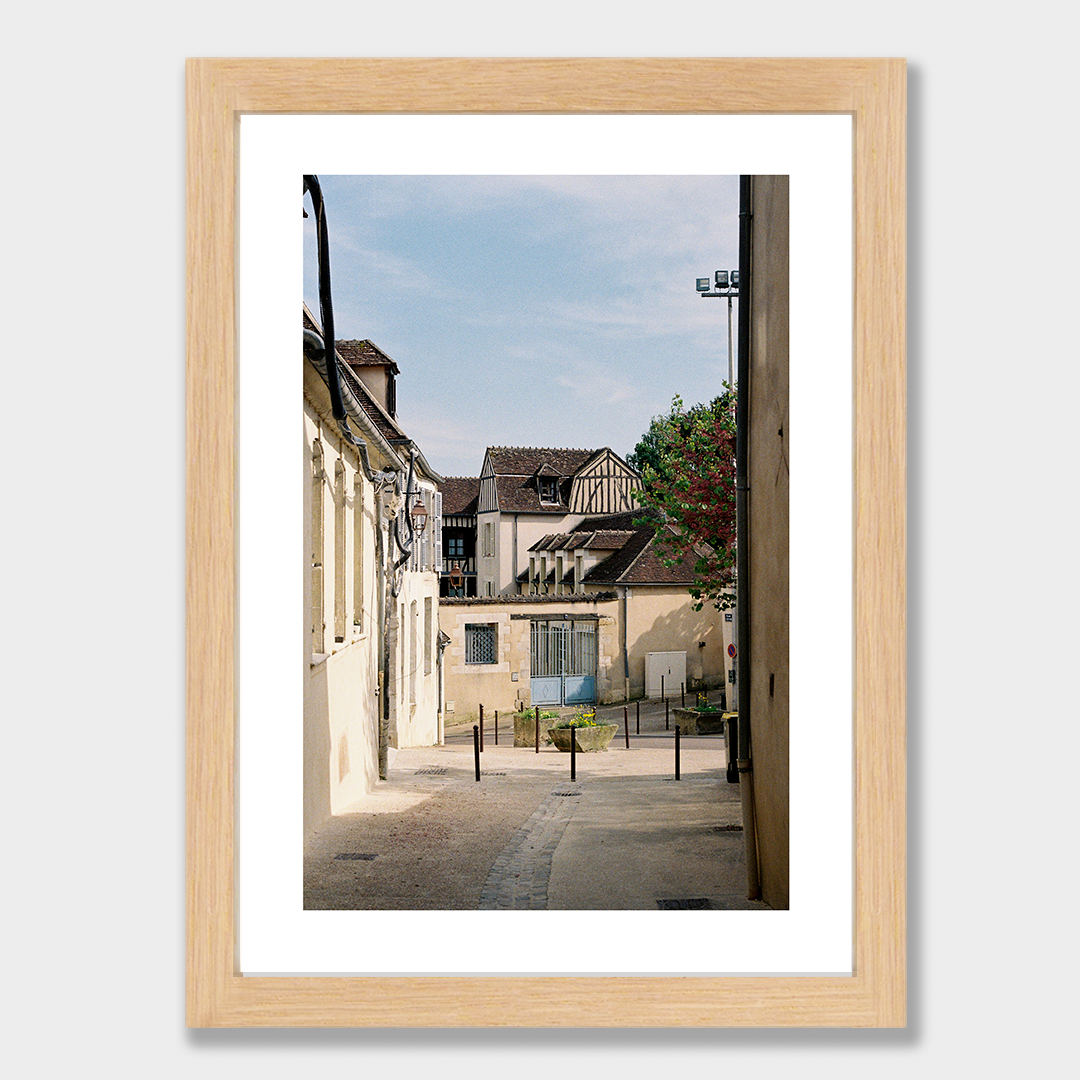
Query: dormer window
x=549, y=489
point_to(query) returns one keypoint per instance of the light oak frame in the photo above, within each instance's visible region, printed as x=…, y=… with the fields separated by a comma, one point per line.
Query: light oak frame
x=873, y=92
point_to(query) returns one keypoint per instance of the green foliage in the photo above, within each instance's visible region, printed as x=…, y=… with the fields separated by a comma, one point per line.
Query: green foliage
x=687, y=465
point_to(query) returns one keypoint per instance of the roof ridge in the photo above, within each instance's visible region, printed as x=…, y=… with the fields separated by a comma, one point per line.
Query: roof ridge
x=546, y=449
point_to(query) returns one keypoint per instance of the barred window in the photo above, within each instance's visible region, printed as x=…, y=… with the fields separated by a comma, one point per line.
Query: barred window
x=481, y=643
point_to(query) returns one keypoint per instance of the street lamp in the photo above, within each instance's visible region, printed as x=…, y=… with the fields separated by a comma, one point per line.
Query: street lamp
x=419, y=516
x=726, y=284
x=457, y=581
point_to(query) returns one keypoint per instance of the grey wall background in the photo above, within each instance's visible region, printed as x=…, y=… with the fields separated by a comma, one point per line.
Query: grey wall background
x=93, y=295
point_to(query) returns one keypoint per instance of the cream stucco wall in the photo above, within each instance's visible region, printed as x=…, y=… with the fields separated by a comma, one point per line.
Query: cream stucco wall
x=414, y=706
x=502, y=569
x=660, y=618
x=343, y=704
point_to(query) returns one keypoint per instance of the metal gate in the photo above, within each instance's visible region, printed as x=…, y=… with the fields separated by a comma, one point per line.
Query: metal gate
x=563, y=662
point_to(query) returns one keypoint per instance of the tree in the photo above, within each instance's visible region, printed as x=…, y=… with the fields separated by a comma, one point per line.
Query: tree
x=687, y=465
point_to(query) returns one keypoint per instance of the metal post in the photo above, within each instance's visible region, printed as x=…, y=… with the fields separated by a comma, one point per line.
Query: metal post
x=538, y=729
x=676, y=751
x=663, y=693
x=682, y=695
x=638, y=718
x=573, y=753
x=496, y=727
x=730, y=349
x=626, y=724
x=476, y=750
x=667, y=720
x=481, y=728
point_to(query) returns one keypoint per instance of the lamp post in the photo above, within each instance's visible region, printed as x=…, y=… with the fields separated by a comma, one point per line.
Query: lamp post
x=726, y=284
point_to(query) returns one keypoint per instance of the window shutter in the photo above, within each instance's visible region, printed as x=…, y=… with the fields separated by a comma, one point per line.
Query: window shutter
x=437, y=565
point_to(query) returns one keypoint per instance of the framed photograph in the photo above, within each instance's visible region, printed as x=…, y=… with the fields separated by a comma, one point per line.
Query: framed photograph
x=816, y=151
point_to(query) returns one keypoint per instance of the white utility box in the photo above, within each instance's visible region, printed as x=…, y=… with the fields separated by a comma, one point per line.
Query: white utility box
x=667, y=666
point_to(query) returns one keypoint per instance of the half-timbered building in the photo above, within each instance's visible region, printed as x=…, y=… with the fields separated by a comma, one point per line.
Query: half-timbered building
x=457, y=574
x=526, y=493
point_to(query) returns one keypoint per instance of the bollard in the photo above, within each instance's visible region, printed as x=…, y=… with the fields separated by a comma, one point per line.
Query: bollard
x=676, y=751
x=663, y=693
x=476, y=750
x=538, y=729
x=573, y=753
x=626, y=724
x=682, y=695
x=667, y=723
x=638, y=732
x=496, y=727
x=481, y=729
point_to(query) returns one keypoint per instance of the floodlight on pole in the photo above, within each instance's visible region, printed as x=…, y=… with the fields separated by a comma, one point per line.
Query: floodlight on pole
x=726, y=283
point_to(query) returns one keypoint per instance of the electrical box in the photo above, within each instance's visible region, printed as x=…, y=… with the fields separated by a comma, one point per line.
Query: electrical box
x=665, y=673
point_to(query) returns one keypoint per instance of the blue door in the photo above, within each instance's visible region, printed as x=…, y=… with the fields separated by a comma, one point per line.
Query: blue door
x=563, y=654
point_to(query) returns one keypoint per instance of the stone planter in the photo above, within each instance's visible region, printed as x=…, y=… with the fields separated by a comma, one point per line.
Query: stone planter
x=525, y=729
x=692, y=722
x=596, y=737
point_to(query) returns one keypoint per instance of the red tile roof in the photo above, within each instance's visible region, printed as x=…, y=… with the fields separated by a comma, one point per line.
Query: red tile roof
x=460, y=495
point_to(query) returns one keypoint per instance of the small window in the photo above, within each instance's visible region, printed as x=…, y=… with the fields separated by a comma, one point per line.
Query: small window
x=481, y=643
x=549, y=489
x=455, y=547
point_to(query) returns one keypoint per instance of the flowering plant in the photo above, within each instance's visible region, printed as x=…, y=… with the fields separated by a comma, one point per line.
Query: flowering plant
x=687, y=465
x=582, y=718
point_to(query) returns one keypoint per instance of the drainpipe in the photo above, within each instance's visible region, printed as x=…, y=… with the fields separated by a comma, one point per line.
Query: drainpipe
x=384, y=659
x=514, y=568
x=742, y=527
x=625, y=652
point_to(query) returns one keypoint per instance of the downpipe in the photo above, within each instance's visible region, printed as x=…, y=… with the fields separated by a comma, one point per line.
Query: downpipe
x=742, y=529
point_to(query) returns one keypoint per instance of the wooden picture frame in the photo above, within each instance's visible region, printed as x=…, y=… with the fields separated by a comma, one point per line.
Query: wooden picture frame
x=873, y=92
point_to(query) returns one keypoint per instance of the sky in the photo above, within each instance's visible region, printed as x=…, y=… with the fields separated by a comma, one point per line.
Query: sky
x=554, y=311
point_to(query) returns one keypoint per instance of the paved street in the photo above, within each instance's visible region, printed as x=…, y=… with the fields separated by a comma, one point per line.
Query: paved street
x=624, y=835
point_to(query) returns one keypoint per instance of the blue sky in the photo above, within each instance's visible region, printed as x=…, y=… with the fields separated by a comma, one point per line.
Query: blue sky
x=531, y=311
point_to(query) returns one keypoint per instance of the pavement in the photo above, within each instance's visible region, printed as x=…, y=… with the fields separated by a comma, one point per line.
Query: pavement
x=624, y=834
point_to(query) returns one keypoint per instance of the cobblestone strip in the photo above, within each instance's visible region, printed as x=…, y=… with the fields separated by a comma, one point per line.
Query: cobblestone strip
x=518, y=879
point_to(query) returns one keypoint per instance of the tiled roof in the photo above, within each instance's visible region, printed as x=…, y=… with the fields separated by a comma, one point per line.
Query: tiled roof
x=633, y=560
x=610, y=539
x=517, y=469
x=529, y=460
x=386, y=426
x=638, y=563
x=364, y=353
x=459, y=495
x=521, y=495
x=591, y=539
